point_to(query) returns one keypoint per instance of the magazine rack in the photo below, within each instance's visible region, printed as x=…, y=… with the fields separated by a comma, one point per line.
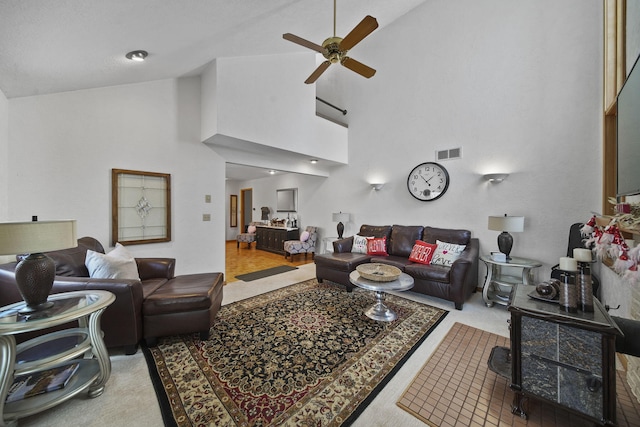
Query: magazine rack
x=83, y=345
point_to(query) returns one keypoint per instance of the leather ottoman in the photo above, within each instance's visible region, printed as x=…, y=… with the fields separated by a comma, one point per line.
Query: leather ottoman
x=186, y=304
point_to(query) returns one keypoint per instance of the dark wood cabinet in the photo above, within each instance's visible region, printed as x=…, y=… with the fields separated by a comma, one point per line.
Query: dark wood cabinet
x=567, y=359
x=272, y=238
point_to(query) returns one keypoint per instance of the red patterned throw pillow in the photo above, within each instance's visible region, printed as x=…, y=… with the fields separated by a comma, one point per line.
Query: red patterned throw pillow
x=422, y=252
x=377, y=246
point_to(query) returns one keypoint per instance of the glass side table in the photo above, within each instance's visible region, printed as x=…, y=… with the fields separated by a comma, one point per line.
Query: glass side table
x=498, y=283
x=82, y=344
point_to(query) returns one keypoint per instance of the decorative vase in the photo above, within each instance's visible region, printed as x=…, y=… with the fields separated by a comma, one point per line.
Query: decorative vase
x=585, y=287
x=568, y=291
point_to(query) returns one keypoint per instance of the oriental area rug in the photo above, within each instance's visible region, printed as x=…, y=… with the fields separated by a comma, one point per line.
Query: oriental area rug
x=302, y=355
x=455, y=387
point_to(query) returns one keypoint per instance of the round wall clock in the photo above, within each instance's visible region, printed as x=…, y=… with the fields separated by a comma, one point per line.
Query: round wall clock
x=428, y=181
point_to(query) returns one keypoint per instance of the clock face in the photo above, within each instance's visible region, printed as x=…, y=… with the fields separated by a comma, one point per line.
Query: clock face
x=428, y=181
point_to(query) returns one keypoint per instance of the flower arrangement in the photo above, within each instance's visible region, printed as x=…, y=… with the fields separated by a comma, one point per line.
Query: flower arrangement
x=608, y=242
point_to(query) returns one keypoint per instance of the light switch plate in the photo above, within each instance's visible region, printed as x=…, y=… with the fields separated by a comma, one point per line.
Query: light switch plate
x=206, y=217
x=207, y=198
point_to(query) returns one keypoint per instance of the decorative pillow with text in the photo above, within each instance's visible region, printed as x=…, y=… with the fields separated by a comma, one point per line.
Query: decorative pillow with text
x=359, y=244
x=446, y=253
x=422, y=252
x=377, y=246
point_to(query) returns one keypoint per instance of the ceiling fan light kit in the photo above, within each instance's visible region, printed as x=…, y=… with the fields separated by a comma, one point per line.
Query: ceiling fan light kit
x=335, y=49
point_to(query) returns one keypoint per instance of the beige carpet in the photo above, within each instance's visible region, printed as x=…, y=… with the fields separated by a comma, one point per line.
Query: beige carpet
x=456, y=388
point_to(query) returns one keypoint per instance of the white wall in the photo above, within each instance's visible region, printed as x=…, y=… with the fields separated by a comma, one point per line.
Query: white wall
x=4, y=157
x=517, y=85
x=63, y=146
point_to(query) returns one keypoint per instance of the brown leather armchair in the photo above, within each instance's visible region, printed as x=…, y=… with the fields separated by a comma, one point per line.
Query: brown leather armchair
x=122, y=321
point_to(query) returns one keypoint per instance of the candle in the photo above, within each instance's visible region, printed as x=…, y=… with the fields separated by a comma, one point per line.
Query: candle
x=568, y=264
x=582, y=255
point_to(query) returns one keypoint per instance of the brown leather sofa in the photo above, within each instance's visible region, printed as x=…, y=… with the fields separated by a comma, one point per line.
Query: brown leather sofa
x=174, y=305
x=455, y=283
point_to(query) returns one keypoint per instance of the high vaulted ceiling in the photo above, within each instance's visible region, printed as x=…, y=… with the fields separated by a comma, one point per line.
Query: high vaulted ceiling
x=63, y=45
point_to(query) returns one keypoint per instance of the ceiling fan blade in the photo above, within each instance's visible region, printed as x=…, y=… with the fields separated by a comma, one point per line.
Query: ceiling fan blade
x=321, y=69
x=358, y=67
x=303, y=42
x=362, y=30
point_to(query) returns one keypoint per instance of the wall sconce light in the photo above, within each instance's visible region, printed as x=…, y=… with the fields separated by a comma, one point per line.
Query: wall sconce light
x=377, y=187
x=137, y=55
x=495, y=177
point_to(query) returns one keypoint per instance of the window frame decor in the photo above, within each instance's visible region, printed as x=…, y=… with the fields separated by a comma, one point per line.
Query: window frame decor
x=140, y=207
x=233, y=210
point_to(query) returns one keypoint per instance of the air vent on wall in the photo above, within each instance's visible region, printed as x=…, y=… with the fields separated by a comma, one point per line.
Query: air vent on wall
x=451, y=153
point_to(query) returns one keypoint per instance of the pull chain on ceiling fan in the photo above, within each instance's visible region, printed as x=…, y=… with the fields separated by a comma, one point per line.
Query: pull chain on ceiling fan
x=335, y=49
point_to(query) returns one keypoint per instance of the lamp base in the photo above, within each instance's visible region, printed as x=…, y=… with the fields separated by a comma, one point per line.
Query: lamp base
x=340, y=230
x=34, y=277
x=505, y=243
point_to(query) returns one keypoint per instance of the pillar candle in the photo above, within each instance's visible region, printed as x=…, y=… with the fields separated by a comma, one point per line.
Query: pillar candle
x=583, y=255
x=568, y=264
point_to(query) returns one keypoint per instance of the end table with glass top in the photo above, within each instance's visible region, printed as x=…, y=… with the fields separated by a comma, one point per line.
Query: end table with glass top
x=82, y=344
x=498, y=282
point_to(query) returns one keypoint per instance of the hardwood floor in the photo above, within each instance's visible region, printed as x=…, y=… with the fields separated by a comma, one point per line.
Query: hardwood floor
x=244, y=260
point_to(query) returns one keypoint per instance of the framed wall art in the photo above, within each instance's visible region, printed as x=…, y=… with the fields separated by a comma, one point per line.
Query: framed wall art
x=140, y=207
x=233, y=211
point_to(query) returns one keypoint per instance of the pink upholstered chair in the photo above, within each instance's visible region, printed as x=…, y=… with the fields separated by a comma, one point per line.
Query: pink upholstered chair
x=306, y=244
x=248, y=237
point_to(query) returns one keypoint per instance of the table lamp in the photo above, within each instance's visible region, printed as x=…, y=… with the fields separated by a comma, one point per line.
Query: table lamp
x=35, y=272
x=339, y=217
x=505, y=223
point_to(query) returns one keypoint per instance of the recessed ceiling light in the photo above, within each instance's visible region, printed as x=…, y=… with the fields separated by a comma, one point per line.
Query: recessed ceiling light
x=313, y=161
x=137, y=55
x=272, y=172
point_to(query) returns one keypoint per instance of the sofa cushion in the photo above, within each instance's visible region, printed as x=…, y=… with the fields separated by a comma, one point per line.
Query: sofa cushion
x=434, y=273
x=459, y=237
x=396, y=261
x=70, y=262
x=446, y=253
x=422, y=252
x=342, y=261
x=403, y=237
x=377, y=246
x=375, y=231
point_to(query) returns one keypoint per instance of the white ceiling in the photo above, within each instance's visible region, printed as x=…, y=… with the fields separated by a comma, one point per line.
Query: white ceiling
x=64, y=45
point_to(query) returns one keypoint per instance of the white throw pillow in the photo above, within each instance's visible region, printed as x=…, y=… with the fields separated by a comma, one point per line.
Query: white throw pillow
x=117, y=264
x=304, y=236
x=446, y=253
x=251, y=229
x=359, y=244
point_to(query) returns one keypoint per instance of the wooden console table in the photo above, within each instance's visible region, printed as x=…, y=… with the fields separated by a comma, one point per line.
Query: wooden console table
x=566, y=359
x=272, y=238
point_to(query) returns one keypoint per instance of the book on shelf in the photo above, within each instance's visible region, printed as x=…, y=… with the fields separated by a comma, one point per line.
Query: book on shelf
x=36, y=383
x=498, y=256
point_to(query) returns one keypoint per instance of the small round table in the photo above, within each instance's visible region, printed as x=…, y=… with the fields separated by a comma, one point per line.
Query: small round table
x=379, y=311
x=496, y=280
x=82, y=345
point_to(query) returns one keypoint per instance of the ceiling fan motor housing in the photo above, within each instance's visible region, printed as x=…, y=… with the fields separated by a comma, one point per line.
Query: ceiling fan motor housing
x=332, y=49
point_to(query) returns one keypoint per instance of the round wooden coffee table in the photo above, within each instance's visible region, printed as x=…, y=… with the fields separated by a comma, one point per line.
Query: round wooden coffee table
x=379, y=311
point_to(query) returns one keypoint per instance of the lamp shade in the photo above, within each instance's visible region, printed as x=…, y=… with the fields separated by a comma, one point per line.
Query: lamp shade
x=340, y=217
x=514, y=224
x=37, y=236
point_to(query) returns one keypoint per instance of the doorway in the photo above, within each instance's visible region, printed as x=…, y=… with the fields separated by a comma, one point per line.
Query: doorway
x=246, y=208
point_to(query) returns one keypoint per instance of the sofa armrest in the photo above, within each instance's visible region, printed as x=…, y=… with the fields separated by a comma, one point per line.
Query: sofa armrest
x=343, y=245
x=465, y=268
x=156, y=268
x=121, y=322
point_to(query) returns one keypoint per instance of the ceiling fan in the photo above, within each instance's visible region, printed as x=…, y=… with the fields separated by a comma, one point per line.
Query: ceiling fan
x=335, y=49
